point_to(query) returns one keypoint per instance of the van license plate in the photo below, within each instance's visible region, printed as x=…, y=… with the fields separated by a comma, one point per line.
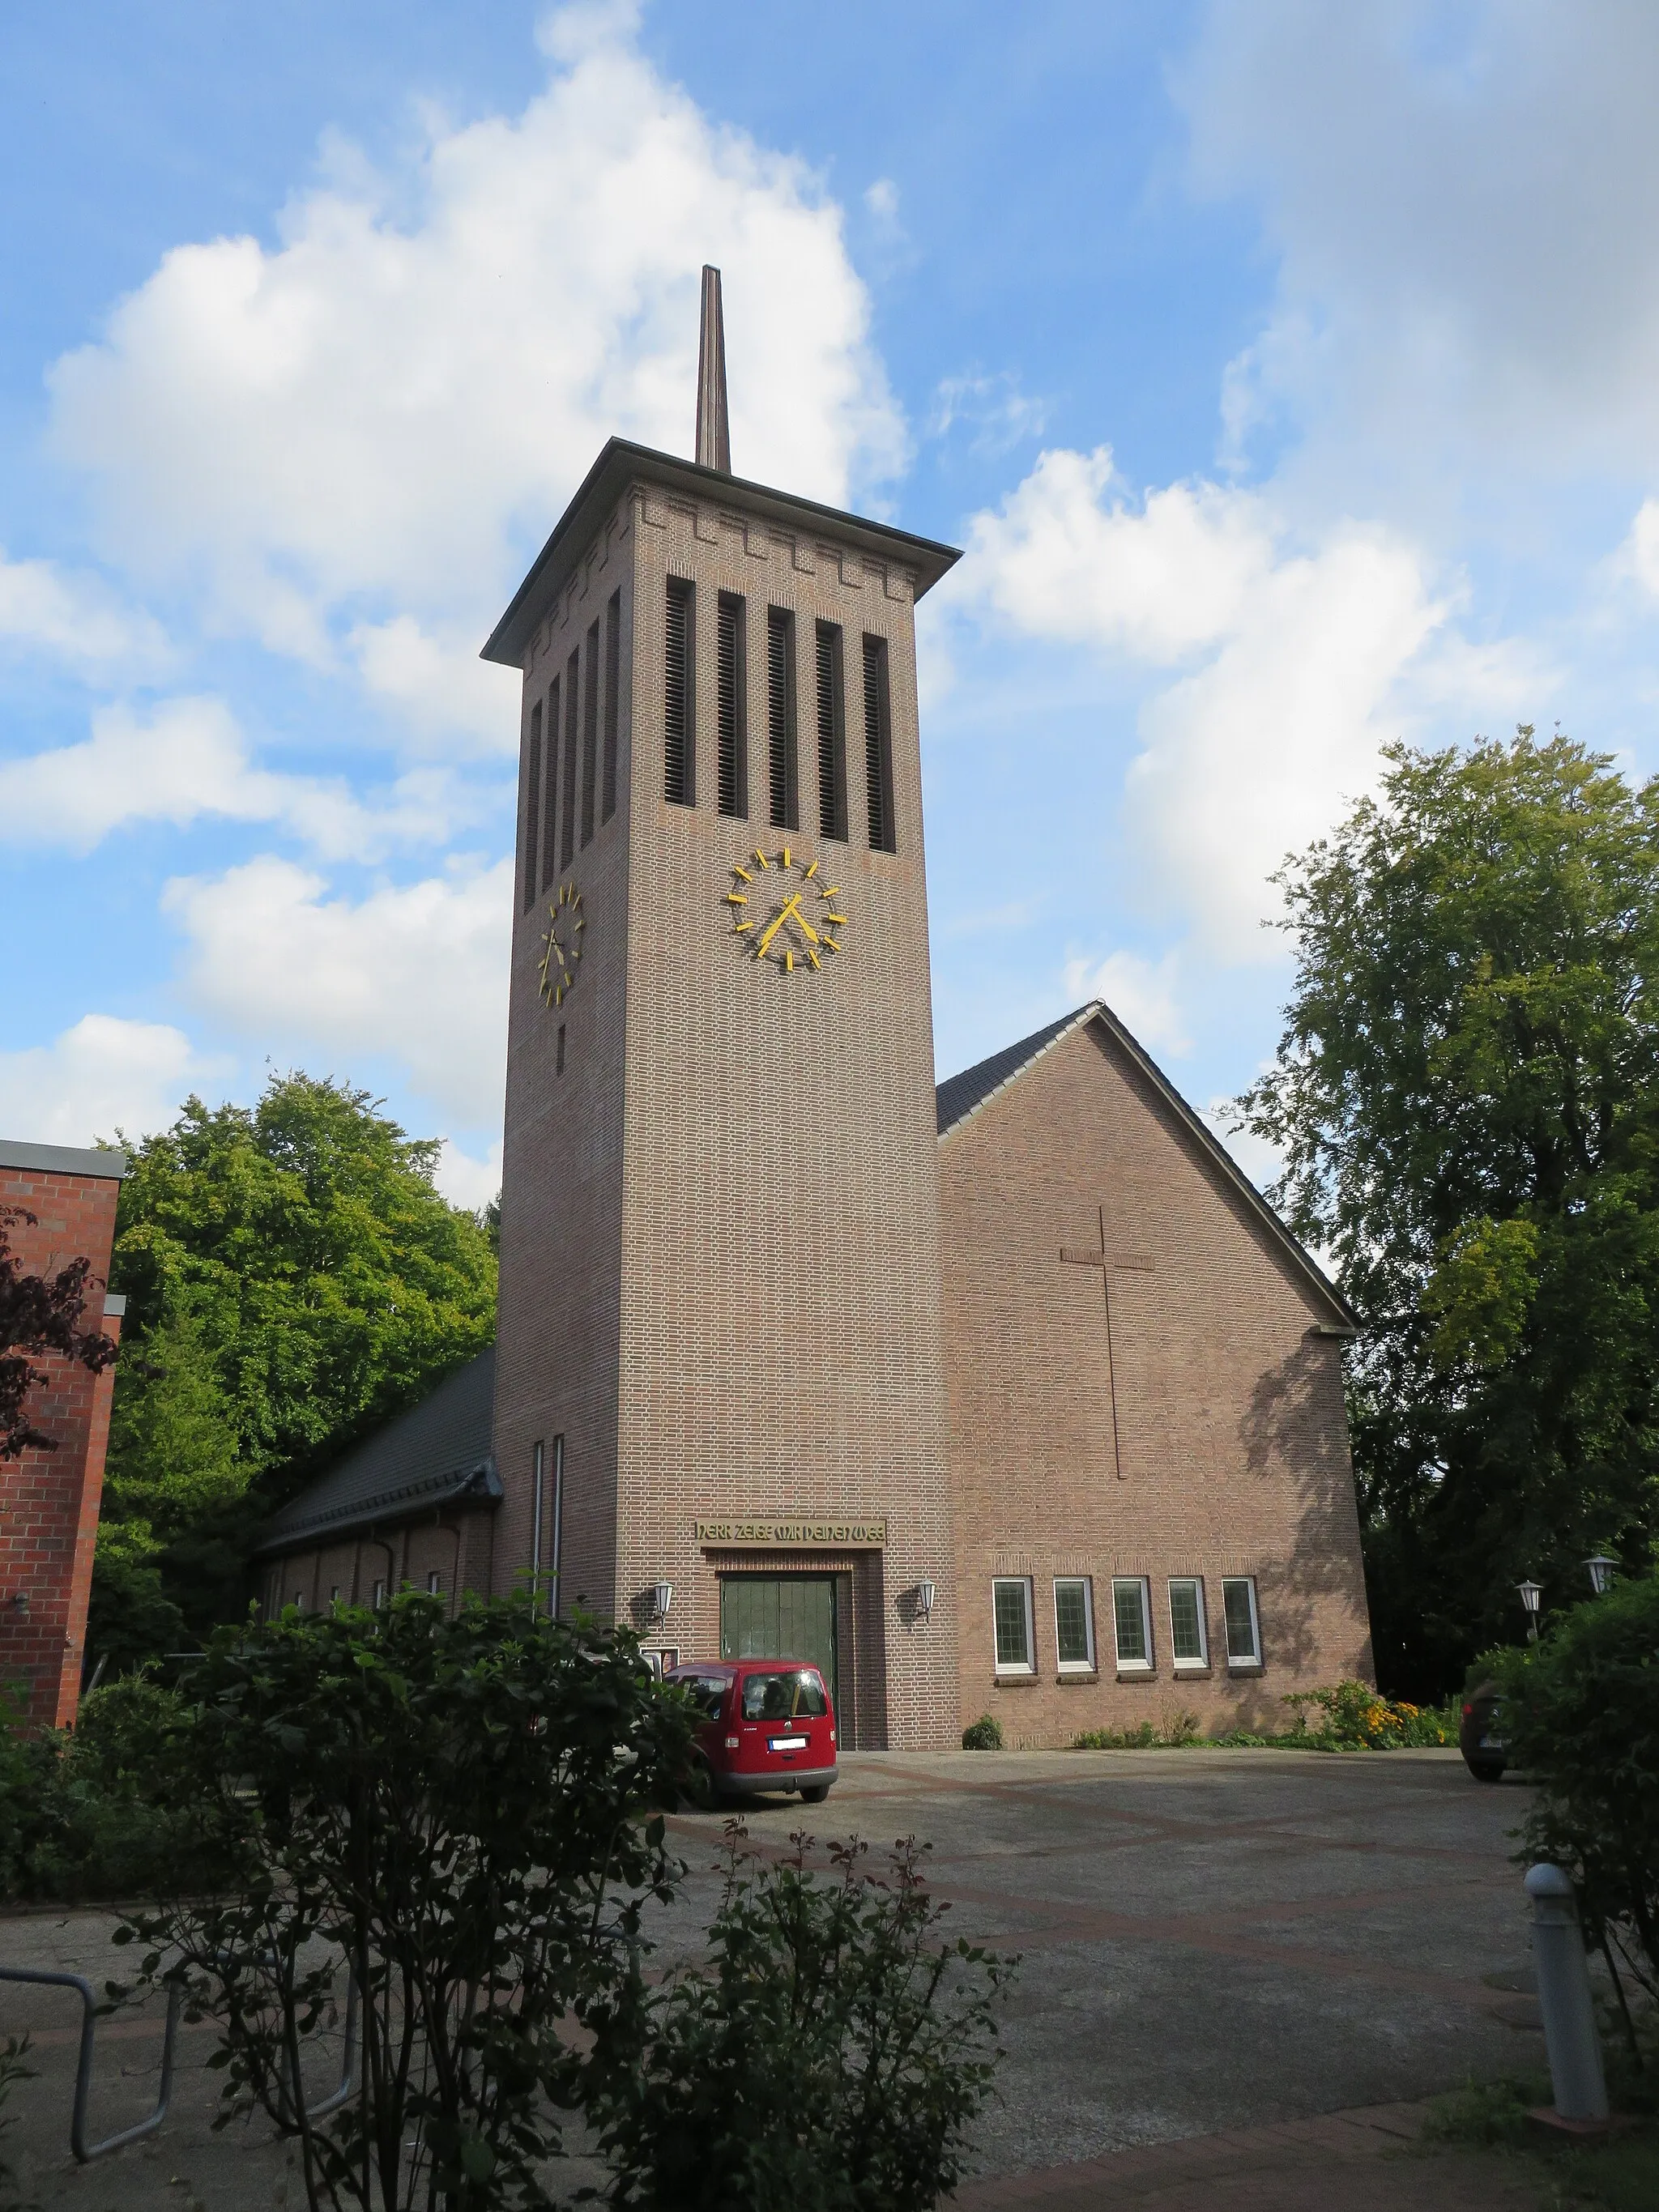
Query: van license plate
x=787, y=1743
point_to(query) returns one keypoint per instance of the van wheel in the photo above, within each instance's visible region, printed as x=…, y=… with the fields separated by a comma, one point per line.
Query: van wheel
x=815, y=1794
x=1485, y=1769
x=699, y=1791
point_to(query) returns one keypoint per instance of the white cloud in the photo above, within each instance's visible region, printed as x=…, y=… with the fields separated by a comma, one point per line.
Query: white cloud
x=1299, y=664
x=466, y=1181
x=1639, y=556
x=1066, y=556
x=73, y=617
x=1144, y=995
x=1262, y=1162
x=1466, y=205
x=103, y=1075
x=188, y=759
x=374, y=421
x=1000, y=414
x=415, y=973
x=882, y=198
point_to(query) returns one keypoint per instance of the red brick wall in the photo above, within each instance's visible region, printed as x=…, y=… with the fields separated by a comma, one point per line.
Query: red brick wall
x=49, y=1501
x=1230, y=1454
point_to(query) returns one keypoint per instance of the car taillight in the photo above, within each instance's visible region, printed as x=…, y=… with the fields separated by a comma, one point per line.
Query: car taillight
x=832, y=1735
x=731, y=1743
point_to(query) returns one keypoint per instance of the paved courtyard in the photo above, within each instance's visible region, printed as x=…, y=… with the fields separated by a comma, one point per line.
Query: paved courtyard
x=1213, y=1942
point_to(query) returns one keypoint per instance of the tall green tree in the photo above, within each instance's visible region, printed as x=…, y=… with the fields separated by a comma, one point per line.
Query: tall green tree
x=294, y=1279
x=1466, y=1099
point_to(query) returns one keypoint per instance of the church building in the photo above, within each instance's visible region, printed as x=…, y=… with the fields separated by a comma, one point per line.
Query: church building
x=1007, y=1396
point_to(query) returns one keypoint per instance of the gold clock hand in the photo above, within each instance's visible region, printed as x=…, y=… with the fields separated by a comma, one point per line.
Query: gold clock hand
x=791, y=907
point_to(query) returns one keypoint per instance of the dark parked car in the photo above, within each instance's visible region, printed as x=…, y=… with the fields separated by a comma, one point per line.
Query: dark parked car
x=768, y=1724
x=1478, y=1737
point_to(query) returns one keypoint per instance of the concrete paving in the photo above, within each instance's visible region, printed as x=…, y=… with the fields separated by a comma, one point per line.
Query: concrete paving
x=1213, y=1942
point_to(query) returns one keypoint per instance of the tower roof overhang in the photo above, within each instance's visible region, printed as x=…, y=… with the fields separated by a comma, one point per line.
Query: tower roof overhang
x=621, y=463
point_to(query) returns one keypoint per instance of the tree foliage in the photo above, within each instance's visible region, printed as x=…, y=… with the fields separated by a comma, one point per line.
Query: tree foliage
x=460, y=1812
x=38, y=1314
x=293, y=1278
x=1467, y=1100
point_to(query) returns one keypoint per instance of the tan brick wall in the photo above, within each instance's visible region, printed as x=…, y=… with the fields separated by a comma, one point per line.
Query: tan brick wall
x=1230, y=1432
x=719, y=1250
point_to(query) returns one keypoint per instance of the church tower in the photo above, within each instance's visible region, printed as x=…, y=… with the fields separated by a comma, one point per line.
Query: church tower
x=719, y=1410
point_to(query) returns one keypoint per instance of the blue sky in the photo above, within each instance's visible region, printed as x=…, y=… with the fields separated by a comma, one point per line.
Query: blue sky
x=1286, y=370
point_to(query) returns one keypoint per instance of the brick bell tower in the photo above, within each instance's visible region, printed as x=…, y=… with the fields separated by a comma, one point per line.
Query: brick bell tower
x=719, y=1407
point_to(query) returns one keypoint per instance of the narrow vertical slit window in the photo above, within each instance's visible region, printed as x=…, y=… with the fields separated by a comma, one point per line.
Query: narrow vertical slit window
x=878, y=747
x=679, y=782
x=590, y=734
x=558, y=1057
x=573, y=681
x=556, y=1561
x=733, y=707
x=781, y=751
x=538, y=1487
x=832, y=734
x=612, y=703
x=532, y=803
x=550, y=781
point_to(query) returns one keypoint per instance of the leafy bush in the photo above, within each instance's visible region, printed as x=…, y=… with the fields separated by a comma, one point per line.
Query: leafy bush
x=79, y=1813
x=831, y=2057
x=1581, y=1719
x=1172, y=1730
x=459, y=1808
x=1356, y=1718
x=12, y=2070
x=983, y=1735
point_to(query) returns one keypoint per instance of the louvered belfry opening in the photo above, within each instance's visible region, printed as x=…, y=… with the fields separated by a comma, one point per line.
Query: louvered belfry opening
x=780, y=718
x=590, y=734
x=679, y=699
x=878, y=746
x=551, y=789
x=573, y=679
x=734, y=795
x=532, y=799
x=832, y=734
x=612, y=709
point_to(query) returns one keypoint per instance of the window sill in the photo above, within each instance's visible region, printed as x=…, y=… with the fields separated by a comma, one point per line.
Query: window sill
x=1245, y=1667
x=1077, y=1675
x=1190, y=1670
x=1015, y=1681
x=1137, y=1673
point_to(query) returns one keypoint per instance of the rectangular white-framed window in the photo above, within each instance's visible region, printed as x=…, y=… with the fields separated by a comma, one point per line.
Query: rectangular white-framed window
x=1074, y=1625
x=434, y=1583
x=380, y=1595
x=1011, y=1607
x=1244, y=1621
x=1189, y=1642
x=1131, y=1618
x=334, y=1594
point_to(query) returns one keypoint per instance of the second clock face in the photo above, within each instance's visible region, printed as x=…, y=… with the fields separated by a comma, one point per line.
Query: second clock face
x=784, y=911
x=562, y=945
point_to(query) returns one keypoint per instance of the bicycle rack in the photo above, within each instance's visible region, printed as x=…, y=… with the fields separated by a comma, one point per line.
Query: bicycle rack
x=333, y=2102
x=85, y=2152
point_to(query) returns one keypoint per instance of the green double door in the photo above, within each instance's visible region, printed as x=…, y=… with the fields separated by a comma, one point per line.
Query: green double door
x=780, y=1617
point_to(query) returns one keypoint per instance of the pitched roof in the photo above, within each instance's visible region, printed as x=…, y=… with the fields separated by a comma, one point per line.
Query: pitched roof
x=436, y=1454
x=961, y=1097
x=603, y=486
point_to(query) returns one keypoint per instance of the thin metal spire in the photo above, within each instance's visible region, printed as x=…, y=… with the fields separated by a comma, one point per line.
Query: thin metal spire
x=714, y=425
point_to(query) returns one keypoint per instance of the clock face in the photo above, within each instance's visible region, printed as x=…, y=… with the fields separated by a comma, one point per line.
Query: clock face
x=784, y=911
x=562, y=945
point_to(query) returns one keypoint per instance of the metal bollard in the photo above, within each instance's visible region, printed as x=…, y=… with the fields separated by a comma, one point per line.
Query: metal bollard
x=1563, y=1994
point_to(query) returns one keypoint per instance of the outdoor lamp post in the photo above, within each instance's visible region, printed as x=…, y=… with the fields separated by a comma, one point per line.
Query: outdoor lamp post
x=1602, y=1573
x=662, y=1597
x=1530, y=1592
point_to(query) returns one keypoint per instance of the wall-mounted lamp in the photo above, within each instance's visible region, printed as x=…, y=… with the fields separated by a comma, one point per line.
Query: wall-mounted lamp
x=925, y=1601
x=1530, y=1593
x=18, y=1605
x=662, y=1597
x=1602, y=1573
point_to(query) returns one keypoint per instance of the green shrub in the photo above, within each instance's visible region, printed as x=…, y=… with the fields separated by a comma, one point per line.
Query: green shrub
x=1357, y=1717
x=1171, y=1731
x=12, y=2070
x=831, y=2055
x=1581, y=1720
x=462, y=1807
x=983, y=1735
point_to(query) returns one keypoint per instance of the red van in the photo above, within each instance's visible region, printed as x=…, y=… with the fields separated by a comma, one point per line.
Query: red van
x=766, y=1724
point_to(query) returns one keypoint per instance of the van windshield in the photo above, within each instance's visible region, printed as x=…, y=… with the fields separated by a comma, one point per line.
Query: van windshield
x=794, y=1694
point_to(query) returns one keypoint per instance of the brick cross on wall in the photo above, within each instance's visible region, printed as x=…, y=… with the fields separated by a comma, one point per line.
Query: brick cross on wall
x=1141, y=1262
